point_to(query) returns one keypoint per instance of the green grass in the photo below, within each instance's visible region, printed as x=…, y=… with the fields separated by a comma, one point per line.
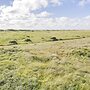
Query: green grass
x=44, y=64
x=40, y=36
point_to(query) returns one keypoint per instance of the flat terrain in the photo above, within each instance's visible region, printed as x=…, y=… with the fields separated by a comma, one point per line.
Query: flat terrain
x=45, y=60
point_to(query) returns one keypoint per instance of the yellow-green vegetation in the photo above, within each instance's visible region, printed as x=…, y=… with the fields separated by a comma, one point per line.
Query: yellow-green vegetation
x=45, y=60
x=39, y=36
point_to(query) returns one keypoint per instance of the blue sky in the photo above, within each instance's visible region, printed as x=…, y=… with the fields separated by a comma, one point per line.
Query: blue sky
x=66, y=11
x=5, y=2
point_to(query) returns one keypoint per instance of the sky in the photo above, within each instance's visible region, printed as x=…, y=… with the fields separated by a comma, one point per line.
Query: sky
x=45, y=14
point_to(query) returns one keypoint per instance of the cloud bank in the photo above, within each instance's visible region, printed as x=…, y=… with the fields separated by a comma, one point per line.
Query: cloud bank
x=22, y=15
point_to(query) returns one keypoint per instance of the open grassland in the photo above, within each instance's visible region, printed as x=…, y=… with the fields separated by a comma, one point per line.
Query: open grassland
x=40, y=36
x=45, y=60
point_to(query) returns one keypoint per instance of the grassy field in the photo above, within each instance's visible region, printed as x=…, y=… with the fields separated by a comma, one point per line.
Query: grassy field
x=45, y=60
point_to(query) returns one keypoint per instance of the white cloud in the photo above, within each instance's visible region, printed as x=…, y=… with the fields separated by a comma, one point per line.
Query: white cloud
x=25, y=8
x=84, y=2
x=48, y=23
x=56, y=2
x=21, y=15
x=44, y=14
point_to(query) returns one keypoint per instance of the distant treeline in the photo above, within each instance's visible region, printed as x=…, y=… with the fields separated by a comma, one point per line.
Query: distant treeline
x=33, y=30
x=15, y=30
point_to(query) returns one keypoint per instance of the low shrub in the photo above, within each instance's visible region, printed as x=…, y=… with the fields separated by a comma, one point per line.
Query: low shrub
x=13, y=42
x=28, y=40
x=54, y=39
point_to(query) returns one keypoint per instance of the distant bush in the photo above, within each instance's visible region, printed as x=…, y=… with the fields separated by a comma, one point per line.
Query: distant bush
x=13, y=42
x=83, y=37
x=42, y=38
x=28, y=40
x=12, y=30
x=77, y=36
x=28, y=36
x=54, y=39
x=60, y=39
